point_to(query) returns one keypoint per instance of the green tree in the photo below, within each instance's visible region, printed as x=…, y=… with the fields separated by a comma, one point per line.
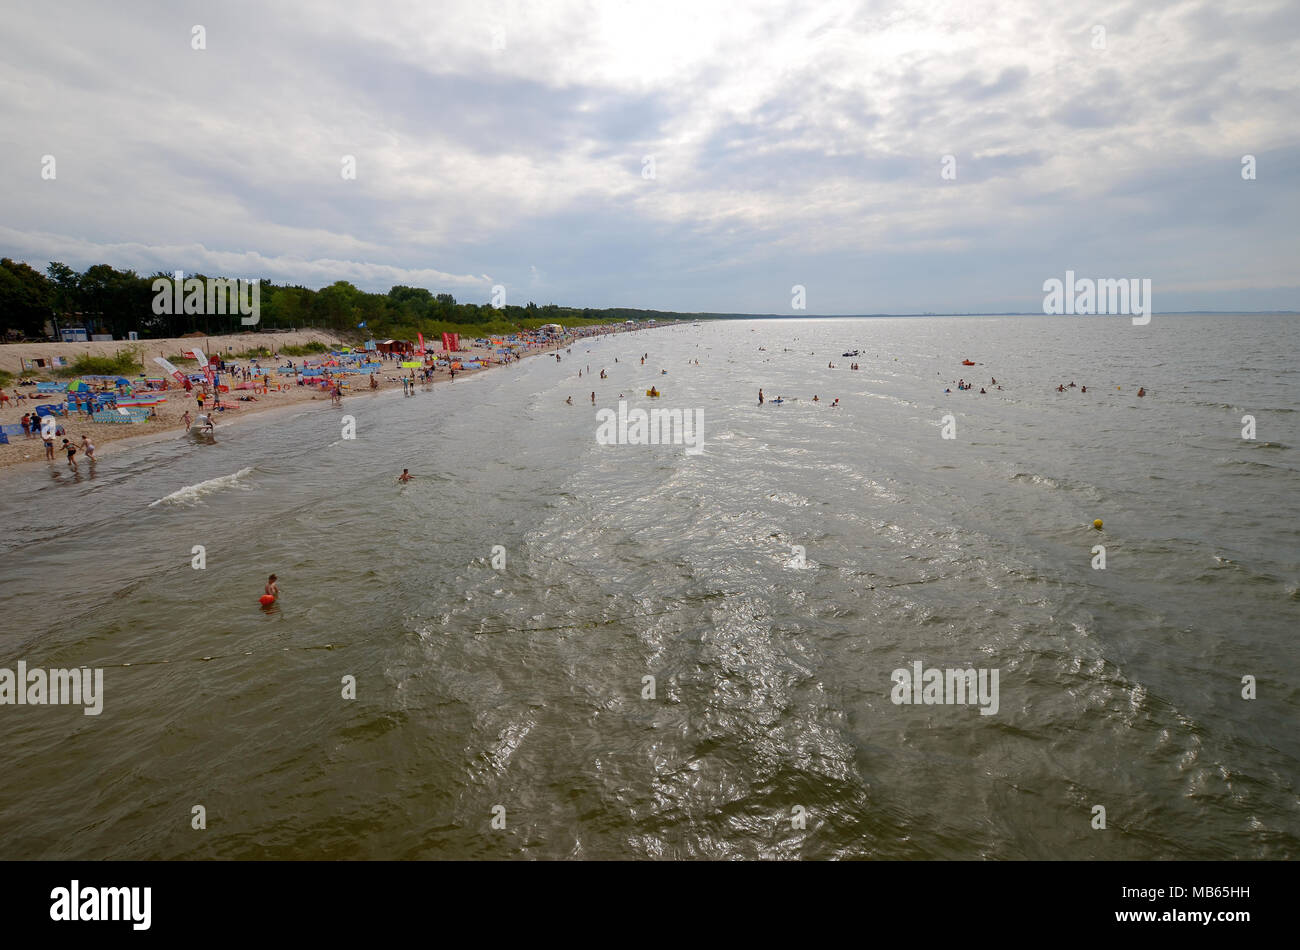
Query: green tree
x=25, y=298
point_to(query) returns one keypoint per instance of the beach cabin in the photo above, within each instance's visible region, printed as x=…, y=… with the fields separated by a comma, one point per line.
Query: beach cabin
x=394, y=347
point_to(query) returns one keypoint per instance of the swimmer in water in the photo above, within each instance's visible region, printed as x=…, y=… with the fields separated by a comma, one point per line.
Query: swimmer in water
x=406, y=476
x=815, y=399
x=760, y=397
x=836, y=403
x=569, y=401
x=593, y=399
x=272, y=587
x=1141, y=392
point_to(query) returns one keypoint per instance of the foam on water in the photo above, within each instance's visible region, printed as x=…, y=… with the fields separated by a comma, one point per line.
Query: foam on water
x=192, y=494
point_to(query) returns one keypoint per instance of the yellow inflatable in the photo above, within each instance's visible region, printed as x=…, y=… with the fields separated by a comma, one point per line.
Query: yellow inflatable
x=653, y=393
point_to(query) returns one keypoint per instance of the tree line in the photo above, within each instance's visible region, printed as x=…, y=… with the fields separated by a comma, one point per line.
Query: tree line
x=104, y=299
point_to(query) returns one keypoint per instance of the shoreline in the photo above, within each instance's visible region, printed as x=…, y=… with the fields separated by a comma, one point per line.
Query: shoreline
x=23, y=456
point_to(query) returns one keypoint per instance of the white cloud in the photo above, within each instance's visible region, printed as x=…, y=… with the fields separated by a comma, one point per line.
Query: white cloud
x=778, y=129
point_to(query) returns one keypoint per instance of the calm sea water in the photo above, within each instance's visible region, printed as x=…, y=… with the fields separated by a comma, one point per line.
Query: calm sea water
x=523, y=687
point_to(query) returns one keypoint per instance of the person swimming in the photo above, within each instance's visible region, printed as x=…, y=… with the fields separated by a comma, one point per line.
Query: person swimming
x=406, y=476
x=1141, y=392
x=815, y=399
x=982, y=392
x=569, y=401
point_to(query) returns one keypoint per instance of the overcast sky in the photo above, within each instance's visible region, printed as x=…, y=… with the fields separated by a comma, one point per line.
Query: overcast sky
x=792, y=143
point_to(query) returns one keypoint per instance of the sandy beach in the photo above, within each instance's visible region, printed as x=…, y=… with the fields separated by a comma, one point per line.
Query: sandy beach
x=169, y=414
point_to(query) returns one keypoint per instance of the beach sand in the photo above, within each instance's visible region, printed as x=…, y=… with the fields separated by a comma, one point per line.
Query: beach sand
x=31, y=451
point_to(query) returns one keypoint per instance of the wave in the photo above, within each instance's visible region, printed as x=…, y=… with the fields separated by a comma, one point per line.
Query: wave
x=1059, y=484
x=190, y=494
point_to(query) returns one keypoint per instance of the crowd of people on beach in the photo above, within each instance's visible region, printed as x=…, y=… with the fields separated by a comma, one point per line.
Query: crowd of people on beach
x=33, y=429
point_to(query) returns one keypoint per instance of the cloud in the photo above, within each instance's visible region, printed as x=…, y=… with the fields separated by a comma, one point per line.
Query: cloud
x=507, y=139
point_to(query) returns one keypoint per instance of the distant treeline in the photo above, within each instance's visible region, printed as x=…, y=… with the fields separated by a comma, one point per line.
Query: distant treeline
x=104, y=299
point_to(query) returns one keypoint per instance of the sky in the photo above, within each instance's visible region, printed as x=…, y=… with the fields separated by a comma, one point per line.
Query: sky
x=691, y=156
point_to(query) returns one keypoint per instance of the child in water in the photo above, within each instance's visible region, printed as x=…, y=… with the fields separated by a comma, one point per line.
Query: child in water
x=272, y=587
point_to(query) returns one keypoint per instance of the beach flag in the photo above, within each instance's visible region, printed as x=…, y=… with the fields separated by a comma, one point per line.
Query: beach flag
x=207, y=367
x=165, y=364
x=421, y=336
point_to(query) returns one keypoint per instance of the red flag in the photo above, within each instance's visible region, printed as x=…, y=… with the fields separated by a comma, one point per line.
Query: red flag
x=421, y=336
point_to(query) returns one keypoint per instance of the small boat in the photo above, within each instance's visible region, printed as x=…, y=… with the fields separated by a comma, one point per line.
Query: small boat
x=776, y=402
x=967, y=363
x=852, y=353
x=653, y=394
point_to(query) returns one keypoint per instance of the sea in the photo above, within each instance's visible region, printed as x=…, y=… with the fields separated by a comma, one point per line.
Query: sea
x=553, y=645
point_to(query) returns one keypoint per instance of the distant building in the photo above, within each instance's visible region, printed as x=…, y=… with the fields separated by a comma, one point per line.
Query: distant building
x=74, y=335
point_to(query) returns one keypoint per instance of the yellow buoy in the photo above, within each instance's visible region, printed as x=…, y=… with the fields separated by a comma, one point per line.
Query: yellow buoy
x=1097, y=524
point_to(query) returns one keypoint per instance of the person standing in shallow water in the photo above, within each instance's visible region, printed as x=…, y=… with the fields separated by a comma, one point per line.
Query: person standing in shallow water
x=760, y=397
